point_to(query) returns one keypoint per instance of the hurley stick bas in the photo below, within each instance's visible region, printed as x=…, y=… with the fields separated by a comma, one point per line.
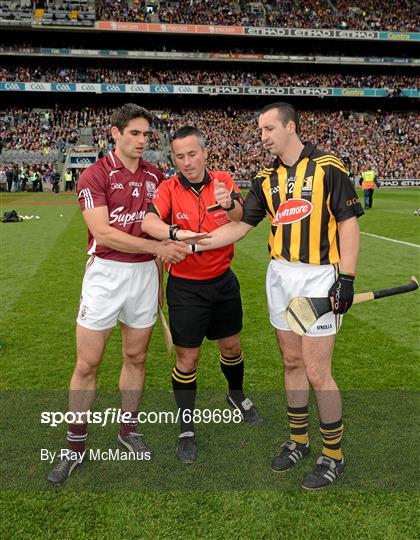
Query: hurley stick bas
x=167, y=336
x=302, y=312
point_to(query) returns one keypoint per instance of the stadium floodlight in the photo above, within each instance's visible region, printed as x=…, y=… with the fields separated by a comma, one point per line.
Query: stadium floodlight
x=302, y=312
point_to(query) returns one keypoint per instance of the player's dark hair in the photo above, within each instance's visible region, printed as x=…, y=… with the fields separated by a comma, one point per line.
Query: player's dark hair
x=186, y=131
x=122, y=116
x=286, y=113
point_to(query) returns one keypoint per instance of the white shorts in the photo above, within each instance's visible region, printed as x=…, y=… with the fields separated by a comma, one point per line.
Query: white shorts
x=114, y=290
x=286, y=280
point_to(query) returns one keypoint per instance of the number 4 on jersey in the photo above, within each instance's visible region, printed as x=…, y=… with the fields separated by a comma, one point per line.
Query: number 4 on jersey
x=135, y=192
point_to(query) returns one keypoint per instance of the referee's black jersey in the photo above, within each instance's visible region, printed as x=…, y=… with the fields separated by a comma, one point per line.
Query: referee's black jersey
x=303, y=202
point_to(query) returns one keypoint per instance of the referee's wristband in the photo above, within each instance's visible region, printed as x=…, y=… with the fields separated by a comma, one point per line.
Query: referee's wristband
x=172, y=231
x=194, y=248
x=231, y=207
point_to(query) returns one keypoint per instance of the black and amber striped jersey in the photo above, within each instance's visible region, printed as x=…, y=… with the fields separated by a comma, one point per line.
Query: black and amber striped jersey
x=303, y=203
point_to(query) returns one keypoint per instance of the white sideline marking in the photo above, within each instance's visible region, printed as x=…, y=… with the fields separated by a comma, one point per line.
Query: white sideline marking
x=391, y=240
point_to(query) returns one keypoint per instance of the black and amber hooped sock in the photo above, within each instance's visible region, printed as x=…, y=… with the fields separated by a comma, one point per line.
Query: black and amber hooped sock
x=332, y=434
x=233, y=369
x=298, y=424
x=185, y=389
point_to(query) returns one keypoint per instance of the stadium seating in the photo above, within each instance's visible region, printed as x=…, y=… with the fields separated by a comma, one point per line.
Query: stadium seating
x=357, y=15
x=16, y=11
x=148, y=74
x=341, y=14
x=69, y=13
x=383, y=140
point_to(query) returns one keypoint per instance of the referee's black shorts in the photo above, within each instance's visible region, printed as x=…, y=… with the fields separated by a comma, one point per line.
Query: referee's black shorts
x=209, y=308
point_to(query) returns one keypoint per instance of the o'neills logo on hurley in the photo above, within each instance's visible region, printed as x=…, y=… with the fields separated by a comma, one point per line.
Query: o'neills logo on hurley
x=293, y=210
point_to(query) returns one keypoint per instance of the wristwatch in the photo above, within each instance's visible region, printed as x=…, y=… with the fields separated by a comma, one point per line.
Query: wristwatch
x=231, y=207
x=172, y=231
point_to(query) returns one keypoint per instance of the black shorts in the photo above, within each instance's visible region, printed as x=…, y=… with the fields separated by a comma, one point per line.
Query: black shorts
x=207, y=308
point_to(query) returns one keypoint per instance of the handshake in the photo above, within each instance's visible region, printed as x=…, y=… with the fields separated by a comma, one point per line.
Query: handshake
x=176, y=249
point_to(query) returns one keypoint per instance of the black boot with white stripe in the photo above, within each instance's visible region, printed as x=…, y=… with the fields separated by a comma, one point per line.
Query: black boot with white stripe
x=67, y=461
x=291, y=452
x=325, y=472
x=247, y=409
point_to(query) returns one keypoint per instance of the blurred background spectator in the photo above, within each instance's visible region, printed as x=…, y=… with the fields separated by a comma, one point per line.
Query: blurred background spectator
x=385, y=141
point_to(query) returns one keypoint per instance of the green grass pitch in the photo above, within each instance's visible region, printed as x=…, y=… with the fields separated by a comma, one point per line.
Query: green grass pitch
x=230, y=492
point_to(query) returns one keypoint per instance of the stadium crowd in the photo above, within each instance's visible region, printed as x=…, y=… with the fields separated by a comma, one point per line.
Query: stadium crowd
x=381, y=140
x=236, y=77
x=341, y=14
x=23, y=129
x=358, y=15
x=384, y=141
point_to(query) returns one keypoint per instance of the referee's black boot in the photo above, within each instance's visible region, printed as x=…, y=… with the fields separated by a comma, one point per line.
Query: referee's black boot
x=247, y=409
x=186, y=447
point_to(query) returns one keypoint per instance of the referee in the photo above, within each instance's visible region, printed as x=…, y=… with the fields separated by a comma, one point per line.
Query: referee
x=202, y=291
x=312, y=208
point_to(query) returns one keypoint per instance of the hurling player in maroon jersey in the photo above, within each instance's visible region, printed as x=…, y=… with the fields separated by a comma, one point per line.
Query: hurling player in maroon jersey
x=121, y=281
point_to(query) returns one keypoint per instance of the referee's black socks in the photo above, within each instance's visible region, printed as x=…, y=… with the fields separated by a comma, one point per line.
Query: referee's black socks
x=185, y=389
x=233, y=369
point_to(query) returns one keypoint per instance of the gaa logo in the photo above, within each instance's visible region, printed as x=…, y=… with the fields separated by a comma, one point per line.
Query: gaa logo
x=160, y=88
x=38, y=86
x=141, y=89
x=352, y=201
x=63, y=87
x=116, y=185
x=112, y=88
x=12, y=86
x=293, y=210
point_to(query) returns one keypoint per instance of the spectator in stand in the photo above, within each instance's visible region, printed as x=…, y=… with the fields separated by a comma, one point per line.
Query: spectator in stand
x=37, y=184
x=402, y=16
x=55, y=179
x=247, y=76
x=23, y=177
x=9, y=178
x=15, y=179
x=3, y=179
x=385, y=141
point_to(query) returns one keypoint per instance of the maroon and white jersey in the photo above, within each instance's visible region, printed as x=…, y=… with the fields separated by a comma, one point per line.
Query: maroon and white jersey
x=127, y=196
